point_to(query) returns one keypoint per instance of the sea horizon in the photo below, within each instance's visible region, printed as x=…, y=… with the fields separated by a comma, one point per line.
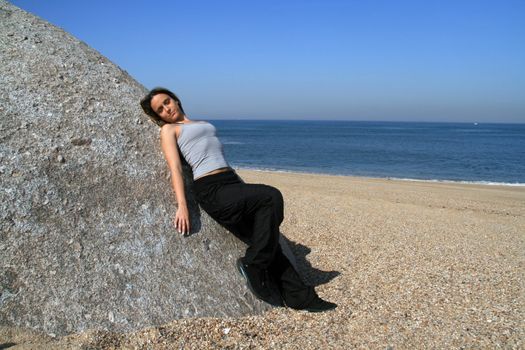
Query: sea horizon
x=354, y=120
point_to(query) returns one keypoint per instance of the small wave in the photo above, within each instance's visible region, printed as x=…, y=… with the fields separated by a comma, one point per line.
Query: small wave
x=273, y=170
x=232, y=143
x=490, y=183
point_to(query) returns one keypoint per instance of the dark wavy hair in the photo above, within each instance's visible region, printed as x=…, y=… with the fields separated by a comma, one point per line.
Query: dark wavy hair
x=145, y=103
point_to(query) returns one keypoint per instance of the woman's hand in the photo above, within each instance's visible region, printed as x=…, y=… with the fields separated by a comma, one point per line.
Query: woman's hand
x=182, y=220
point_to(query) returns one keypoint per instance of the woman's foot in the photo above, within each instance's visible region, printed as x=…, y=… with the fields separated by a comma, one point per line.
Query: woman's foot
x=260, y=283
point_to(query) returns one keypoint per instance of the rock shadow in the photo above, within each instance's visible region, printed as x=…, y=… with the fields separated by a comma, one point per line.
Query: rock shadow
x=195, y=217
x=193, y=206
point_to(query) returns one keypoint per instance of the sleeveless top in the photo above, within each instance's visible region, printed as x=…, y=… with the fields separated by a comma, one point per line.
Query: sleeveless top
x=201, y=148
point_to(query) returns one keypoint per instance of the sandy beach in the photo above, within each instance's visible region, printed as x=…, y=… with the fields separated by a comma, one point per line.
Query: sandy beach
x=410, y=264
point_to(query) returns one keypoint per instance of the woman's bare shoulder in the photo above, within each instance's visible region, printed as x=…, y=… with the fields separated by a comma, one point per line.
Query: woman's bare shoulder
x=168, y=130
x=167, y=127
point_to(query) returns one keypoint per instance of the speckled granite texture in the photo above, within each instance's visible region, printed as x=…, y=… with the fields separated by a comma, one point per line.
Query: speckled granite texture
x=86, y=205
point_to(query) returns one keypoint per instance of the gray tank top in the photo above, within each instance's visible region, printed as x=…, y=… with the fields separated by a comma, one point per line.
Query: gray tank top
x=201, y=148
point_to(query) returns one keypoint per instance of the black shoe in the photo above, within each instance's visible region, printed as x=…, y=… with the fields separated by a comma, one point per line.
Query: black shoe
x=318, y=305
x=260, y=283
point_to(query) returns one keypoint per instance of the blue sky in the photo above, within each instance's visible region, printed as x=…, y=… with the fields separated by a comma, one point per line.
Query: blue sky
x=313, y=59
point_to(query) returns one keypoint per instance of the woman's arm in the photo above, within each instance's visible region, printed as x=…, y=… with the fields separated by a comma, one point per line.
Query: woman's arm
x=168, y=140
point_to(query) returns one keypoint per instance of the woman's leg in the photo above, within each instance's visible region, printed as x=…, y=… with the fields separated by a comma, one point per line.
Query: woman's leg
x=264, y=210
x=246, y=210
x=254, y=212
x=293, y=290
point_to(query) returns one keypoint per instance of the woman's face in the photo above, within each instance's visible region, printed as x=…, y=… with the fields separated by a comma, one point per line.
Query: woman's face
x=166, y=108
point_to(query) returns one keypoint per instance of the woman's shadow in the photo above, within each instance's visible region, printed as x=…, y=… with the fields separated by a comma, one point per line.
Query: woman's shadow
x=296, y=253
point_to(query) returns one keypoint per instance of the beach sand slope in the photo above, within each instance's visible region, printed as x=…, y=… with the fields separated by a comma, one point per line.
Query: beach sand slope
x=411, y=265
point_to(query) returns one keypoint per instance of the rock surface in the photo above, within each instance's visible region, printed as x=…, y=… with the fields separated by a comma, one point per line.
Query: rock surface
x=85, y=205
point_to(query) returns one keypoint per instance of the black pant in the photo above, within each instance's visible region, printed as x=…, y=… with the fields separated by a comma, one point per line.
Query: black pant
x=253, y=213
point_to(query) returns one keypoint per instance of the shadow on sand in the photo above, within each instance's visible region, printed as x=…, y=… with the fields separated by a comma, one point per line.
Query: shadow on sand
x=310, y=275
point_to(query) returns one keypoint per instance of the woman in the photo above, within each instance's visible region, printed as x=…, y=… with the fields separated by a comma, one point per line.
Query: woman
x=252, y=212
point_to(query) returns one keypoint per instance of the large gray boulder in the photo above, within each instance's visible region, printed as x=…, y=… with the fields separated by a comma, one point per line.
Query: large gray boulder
x=86, y=205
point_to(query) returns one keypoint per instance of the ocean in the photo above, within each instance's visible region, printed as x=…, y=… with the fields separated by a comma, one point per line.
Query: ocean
x=463, y=152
